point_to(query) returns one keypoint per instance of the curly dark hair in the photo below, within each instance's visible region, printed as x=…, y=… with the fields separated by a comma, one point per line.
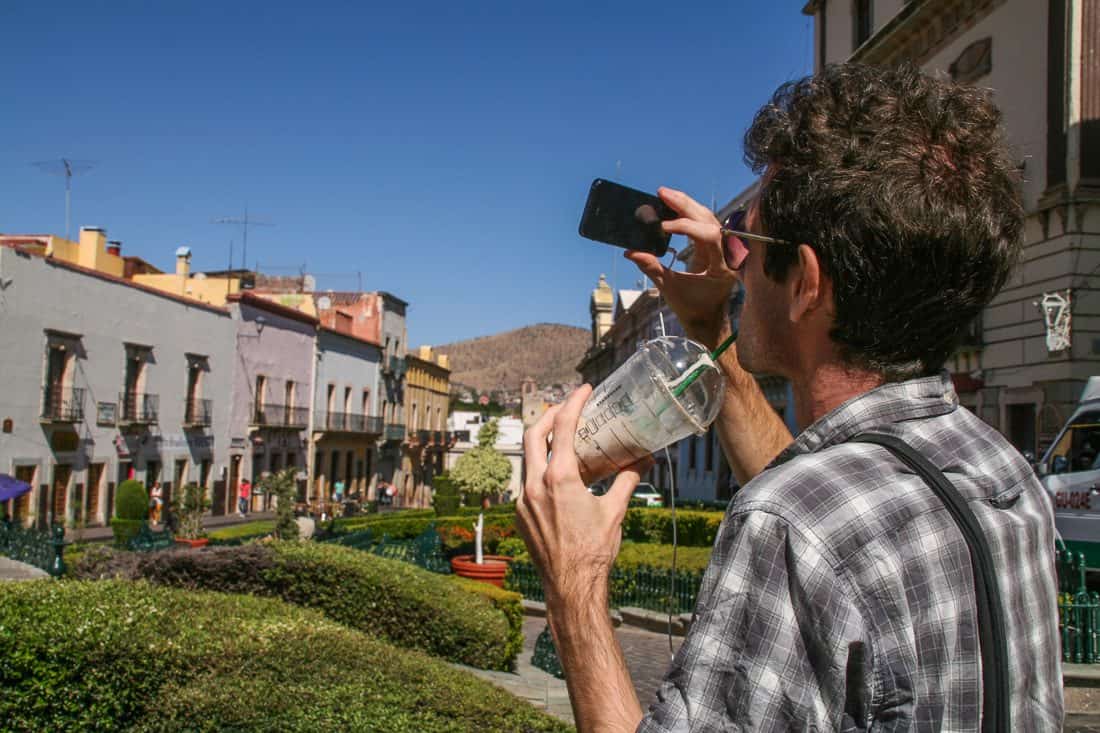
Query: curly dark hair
x=904, y=187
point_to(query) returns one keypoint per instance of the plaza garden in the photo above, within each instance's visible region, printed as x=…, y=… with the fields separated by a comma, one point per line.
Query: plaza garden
x=362, y=627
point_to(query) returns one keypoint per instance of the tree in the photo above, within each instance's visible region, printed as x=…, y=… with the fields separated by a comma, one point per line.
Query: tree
x=483, y=471
x=284, y=486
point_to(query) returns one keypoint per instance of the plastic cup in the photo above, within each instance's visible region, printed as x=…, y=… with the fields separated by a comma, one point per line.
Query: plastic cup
x=635, y=411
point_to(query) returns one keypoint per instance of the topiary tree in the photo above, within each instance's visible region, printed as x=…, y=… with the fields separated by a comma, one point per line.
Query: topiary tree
x=131, y=509
x=283, y=485
x=131, y=500
x=445, y=496
x=483, y=471
x=191, y=508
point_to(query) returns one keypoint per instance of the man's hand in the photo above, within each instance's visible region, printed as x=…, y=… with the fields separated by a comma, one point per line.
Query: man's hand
x=574, y=538
x=700, y=296
x=572, y=535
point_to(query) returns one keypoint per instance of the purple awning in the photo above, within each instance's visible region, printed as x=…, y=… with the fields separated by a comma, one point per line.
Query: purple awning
x=12, y=488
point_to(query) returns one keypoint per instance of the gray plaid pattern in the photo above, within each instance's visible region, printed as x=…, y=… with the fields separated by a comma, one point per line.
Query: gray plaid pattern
x=840, y=592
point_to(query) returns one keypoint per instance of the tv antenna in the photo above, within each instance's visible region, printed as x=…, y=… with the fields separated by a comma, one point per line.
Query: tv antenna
x=65, y=167
x=244, y=222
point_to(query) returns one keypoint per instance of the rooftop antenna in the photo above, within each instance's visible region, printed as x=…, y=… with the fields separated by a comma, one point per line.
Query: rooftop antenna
x=244, y=222
x=66, y=167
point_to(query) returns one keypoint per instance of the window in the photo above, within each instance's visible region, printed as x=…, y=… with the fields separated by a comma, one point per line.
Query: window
x=366, y=402
x=692, y=451
x=289, y=394
x=414, y=422
x=1078, y=446
x=863, y=21
x=329, y=396
x=261, y=389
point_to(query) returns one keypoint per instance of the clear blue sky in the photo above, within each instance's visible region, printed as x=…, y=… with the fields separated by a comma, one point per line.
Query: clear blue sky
x=443, y=150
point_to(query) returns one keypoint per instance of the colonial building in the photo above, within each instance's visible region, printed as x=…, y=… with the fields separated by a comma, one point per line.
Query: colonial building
x=346, y=425
x=465, y=426
x=105, y=380
x=1025, y=363
x=427, y=399
x=272, y=389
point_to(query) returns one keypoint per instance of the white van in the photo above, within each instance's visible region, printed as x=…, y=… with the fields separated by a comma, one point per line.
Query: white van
x=1070, y=471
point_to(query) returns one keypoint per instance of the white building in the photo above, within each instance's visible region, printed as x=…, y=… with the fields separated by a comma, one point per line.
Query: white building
x=466, y=425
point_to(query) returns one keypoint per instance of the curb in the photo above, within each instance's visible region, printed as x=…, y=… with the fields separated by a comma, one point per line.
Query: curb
x=1080, y=675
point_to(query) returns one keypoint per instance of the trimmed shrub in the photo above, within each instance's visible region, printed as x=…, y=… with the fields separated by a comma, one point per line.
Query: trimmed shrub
x=689, y=559
x=506, y=508
x=130, y=656
x=505, y=601
x=512, y=547
x=125, y=530
x=389, y=599
x=445, y=498
x=694, y=528
x=236, y=534
x=131, y=500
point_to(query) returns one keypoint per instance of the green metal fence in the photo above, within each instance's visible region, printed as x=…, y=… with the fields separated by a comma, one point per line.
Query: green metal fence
x=35, y=547
x=425, y=550
x=641, y=587
x=1078, y=611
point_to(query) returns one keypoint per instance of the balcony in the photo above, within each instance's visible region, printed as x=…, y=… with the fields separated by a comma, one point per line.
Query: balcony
x=394, y=431
x=197, y=413
x=423, y=436
x=437, y=437
x=280, y=416
x=63, y=404
x=349, y=422
x=461, y=436
x=136, y=408
x=394, y=366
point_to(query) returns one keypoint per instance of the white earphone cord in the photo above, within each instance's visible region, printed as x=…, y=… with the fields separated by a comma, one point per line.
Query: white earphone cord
x=671, y=492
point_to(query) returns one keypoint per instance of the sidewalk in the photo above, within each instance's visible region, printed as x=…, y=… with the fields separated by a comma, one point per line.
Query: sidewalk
x=103, y=534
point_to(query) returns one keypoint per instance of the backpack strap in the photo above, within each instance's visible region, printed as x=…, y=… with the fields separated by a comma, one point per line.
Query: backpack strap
x=992, y=636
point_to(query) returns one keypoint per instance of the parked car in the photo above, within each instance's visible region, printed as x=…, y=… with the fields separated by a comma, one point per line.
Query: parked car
x=1070, y=472
x=647, y=493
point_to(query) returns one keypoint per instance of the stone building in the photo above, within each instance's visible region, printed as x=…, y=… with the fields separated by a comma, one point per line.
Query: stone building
x=427, y=400
x=1039, y=58
x=272, y=389
x=105, y=380
x=346, y=423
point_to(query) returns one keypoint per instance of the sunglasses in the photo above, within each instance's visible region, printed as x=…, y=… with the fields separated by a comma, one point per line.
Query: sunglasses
x=733, y=234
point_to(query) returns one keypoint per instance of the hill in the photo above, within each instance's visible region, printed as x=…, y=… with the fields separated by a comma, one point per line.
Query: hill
x=547, y=352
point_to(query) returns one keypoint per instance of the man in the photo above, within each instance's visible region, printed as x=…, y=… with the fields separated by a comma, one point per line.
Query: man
x=244, y=493
x=840, y=593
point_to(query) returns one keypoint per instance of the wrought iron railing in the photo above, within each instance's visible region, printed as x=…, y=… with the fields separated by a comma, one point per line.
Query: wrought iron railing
x=394, y=431
x=44, y=550
x=350, y=422
x=437, y=437
x=423, y=436
x=640, y=587
x=198, y=413
x=138, y=408
x=63, y=404
x=1078, y=611
x=280, y=416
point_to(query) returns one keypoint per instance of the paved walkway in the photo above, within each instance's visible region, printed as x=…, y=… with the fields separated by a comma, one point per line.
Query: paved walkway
x=15, y=570
x=102, y=534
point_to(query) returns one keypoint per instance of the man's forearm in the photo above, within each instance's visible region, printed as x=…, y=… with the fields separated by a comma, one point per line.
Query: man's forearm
x=600, y=689
x=750, y=431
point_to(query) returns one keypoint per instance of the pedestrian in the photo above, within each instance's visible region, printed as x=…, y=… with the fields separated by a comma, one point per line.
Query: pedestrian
x=840, y=593
x=156, y=503
x=243, y=495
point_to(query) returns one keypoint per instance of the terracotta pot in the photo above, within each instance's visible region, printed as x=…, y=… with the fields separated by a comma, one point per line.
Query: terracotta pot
x=492, y=570
x=201, y=542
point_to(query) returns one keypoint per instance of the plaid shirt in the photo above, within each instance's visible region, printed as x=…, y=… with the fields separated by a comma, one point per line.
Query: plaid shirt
x=840, y=594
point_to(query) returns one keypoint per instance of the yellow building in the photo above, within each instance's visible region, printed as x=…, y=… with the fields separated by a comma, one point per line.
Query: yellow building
x=94, y=252
x=427, y=400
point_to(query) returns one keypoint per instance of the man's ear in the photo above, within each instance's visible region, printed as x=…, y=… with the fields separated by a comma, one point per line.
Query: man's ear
x=809, y=288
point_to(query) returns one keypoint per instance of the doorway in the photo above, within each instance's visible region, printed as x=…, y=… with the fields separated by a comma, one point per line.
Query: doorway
x=62, y=473
x=234, y=480
x=95, y=479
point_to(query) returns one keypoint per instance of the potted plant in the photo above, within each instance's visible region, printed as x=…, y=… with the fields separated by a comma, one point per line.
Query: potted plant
x=283, y=486
x=190, y=510
x=481, y=473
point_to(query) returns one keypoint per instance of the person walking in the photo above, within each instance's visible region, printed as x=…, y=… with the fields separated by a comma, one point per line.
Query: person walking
x=841, y=591
x=244, y=493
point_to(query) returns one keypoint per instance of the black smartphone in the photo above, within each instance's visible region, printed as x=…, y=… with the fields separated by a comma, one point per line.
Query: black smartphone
x=625, y=217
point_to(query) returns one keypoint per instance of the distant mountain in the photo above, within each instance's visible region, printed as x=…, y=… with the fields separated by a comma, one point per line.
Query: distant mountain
x=547, y=352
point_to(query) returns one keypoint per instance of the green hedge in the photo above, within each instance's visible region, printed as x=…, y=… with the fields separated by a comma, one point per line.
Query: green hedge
x=134, y=657
x=465, y=511
x=125, y=530
x=634, y=555
x=236, y=533
x=455, y=532
x=694, y=528
x=391, y=600
x=131, y=500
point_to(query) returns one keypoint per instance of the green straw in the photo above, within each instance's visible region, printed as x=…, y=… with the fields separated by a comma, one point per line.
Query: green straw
x=682, y=387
